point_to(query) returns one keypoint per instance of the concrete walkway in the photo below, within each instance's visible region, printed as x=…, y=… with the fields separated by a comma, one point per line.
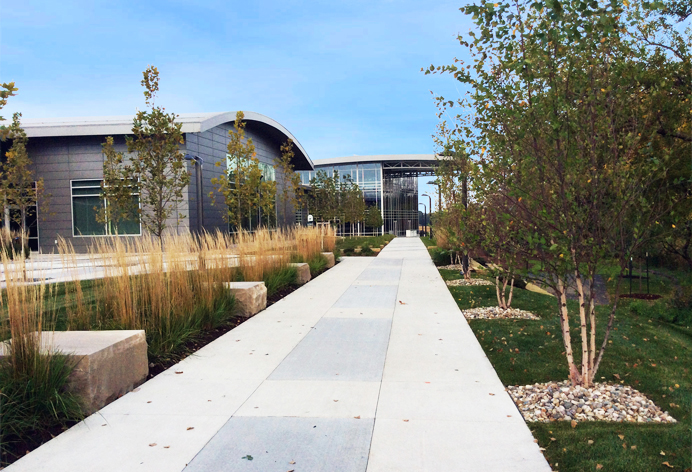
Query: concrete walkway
x=369, y=367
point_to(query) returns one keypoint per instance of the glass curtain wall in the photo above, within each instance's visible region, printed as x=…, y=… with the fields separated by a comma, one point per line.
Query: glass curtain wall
x=367, y=176
x=396, y=195
x=400, y=204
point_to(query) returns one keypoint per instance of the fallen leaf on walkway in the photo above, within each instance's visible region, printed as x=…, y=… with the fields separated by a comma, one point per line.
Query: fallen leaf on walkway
x=152, y=444
x=405, y=421
x=166, y=447
x=248, y=457
x=137, y=389
x=509, y=416
x=178, y=371
x=191, y=427
x=402, y=302
x=336, y=401
x=292, y=462
x=149, y=401
x=492, y=394
x=357, y=417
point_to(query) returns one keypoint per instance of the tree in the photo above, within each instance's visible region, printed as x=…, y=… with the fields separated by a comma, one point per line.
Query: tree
x=243, y=186
x=324, y=198
x=352, y=202
x=291, y=191
x=156, y=169
x=373, y=217
x=19, y=188
x=568, y=139
x=120, y=204
x=490, y=229
x=6, y=90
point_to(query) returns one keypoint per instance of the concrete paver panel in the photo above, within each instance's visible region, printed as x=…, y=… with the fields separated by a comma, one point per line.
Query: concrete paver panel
x=313, y=399
x=281, y=444
x=438, y=445
x=370, y=296
x=339, y=349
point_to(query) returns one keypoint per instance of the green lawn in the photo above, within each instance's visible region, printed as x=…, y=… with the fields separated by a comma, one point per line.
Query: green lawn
x=347, y=245
x=651, y=355
x=428, y=241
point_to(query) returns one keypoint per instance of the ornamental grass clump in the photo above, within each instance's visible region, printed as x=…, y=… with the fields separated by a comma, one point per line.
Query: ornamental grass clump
x=174, y=293
x=33, y=375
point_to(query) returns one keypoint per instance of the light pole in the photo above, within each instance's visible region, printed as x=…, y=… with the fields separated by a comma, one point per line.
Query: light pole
x=259, y=209
x=439, y=194
x=430, y=202
x=425, y=218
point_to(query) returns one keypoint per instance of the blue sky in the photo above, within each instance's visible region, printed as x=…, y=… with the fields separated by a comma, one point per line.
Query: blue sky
x=343, y=77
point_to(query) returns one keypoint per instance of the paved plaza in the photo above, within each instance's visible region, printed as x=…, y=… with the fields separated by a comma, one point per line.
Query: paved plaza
x=369, y=367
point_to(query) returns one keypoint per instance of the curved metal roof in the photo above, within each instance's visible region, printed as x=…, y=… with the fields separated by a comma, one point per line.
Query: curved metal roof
x=335, y=161
x=192, y=123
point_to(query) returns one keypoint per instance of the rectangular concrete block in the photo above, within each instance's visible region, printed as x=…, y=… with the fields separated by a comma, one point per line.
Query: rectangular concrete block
x=303, y=270
x=330, y=259
x=107, y=364
x=250, y=296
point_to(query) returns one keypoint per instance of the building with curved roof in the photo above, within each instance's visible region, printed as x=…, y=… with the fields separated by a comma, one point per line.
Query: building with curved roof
x=67, y=154
x=388, y=181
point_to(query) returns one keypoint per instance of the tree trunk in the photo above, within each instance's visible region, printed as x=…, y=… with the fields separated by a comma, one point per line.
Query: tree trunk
x=585, y=354
x=511, y=292
x=592, y=322
x=574, y=376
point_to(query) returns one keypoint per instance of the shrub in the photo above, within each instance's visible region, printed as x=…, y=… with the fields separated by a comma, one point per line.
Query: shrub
x=440, y=257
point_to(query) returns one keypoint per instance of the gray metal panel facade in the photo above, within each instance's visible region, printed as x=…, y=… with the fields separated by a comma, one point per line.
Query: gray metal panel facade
x=58, y=160
x=211, y=146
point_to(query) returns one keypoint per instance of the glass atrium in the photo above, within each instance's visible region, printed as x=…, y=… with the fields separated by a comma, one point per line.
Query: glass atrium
x=395, y=194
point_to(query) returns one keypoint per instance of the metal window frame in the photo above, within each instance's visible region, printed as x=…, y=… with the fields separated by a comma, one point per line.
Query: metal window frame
x=107, y=235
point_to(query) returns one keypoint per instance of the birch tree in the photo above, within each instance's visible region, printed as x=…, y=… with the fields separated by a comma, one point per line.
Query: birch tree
x=569, y=139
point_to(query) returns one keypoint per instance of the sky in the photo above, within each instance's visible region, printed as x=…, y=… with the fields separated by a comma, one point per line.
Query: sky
x=344, y=77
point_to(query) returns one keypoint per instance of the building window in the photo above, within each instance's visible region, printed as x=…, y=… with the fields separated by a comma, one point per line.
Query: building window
x=268, y=170
x=86, y=203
